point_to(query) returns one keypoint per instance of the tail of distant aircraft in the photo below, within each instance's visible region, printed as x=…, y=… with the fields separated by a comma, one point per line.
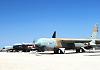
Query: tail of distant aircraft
x=95, y=32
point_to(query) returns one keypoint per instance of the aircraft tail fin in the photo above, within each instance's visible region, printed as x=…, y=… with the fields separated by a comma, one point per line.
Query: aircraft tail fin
x=54, y=34
x=95, y=32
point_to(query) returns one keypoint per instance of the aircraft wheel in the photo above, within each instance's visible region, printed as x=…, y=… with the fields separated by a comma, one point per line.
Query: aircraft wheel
x=56, y=50
x=78, y=50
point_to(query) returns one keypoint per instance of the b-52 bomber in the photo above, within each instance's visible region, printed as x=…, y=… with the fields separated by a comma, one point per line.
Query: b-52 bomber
x=59, y=45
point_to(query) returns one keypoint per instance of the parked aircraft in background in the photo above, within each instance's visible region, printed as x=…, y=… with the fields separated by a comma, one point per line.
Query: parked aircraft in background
x=24, y=47
x=59, y=45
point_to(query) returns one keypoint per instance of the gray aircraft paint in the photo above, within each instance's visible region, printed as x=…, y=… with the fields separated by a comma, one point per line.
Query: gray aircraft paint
x=46, y=42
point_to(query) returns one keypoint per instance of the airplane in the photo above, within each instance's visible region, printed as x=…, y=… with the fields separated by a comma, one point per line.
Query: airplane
x=23, y=47
x=59, y=45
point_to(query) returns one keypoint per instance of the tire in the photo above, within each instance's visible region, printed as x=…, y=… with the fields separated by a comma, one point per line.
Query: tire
x=78, y=50
x=56, y=51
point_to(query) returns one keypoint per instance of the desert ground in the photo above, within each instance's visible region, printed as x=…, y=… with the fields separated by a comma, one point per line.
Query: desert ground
x=49, y=61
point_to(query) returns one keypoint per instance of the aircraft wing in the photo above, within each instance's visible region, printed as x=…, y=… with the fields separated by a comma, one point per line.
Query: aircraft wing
x=75, y=40
x=97, y=41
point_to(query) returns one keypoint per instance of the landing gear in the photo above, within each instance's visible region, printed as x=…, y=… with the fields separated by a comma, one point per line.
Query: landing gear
x=80, y=50
x=77, y=50
x=56, y=50
x=59, y=50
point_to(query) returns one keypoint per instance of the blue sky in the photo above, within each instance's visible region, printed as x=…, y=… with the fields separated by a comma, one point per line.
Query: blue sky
x=26, y=20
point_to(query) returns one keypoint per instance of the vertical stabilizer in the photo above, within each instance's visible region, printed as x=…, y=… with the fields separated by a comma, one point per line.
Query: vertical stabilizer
x=54, y=34
x=95, y=32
